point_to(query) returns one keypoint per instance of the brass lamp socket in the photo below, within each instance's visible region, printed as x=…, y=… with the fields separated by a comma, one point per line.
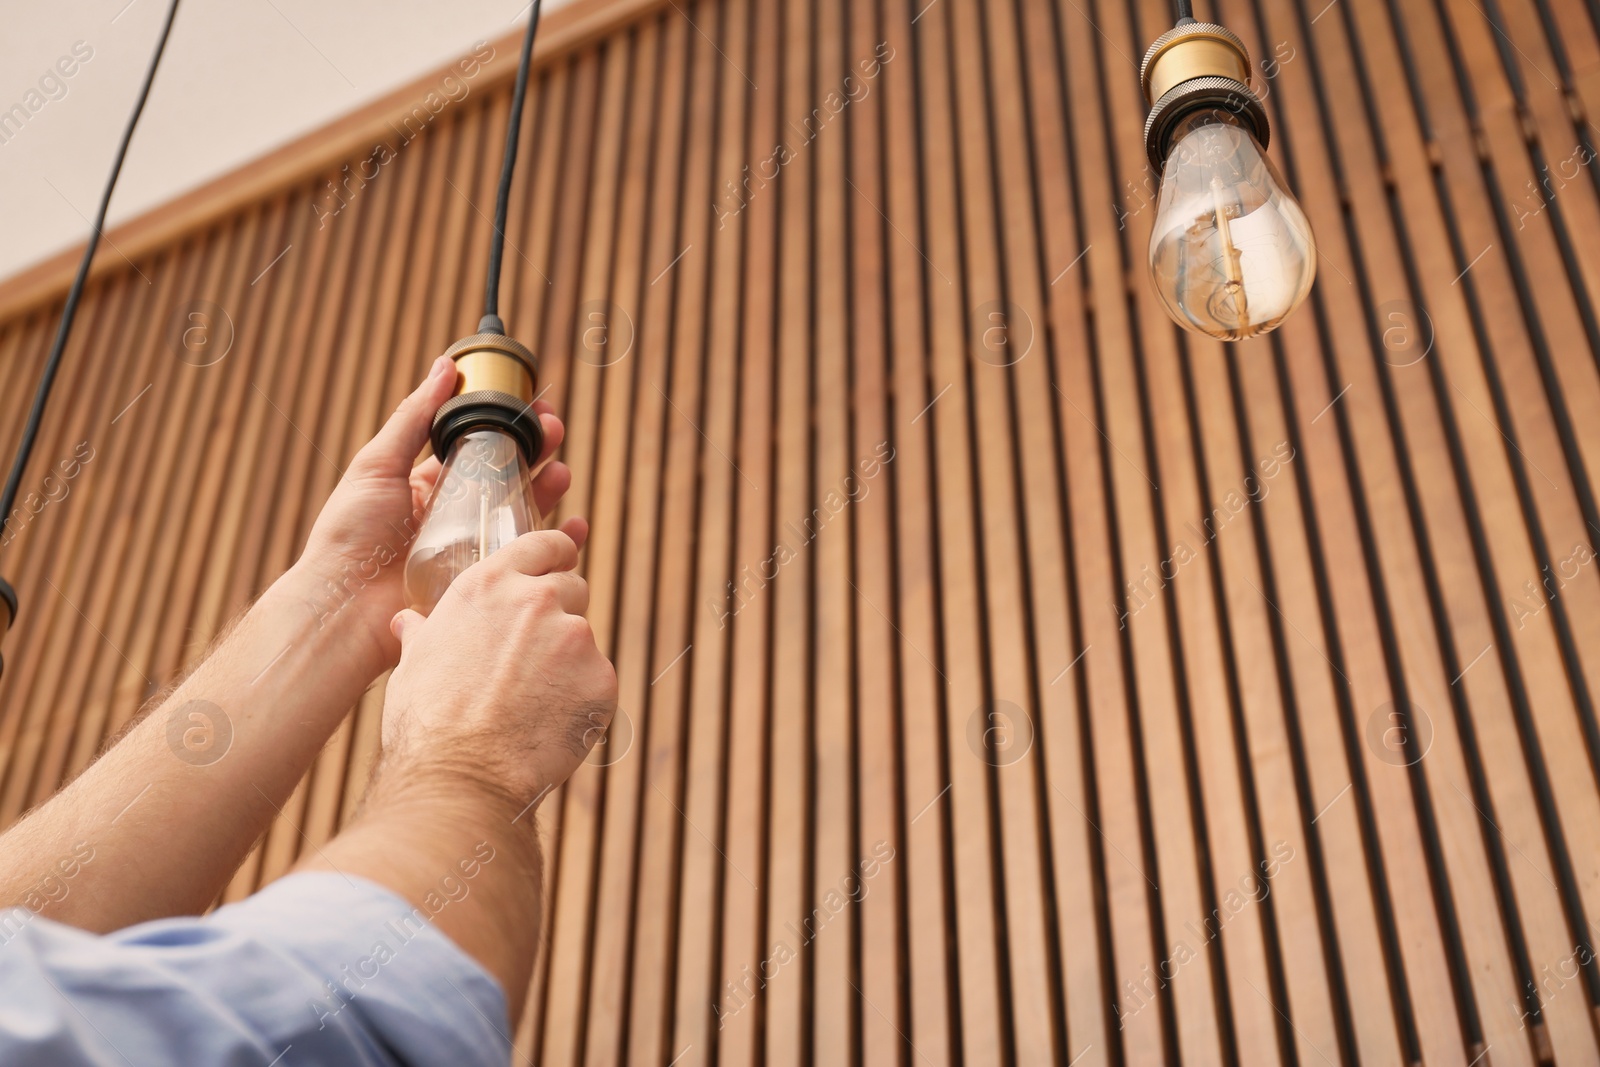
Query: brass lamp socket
x=1194, y=67
x=494, y=388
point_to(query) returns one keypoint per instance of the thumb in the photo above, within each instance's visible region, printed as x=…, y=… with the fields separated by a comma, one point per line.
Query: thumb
x=393, y=450
x=404, y=626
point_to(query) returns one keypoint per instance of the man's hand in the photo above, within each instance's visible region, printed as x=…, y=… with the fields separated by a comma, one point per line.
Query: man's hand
x=357, y=548
x=499, y=694
x=504, y=680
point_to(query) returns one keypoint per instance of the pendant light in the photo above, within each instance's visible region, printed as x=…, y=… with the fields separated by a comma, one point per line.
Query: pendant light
x=1231, y=253
x=69, y=313
x=487, y=433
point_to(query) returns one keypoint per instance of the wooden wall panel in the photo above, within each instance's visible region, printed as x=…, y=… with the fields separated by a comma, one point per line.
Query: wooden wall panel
x=1007, y=676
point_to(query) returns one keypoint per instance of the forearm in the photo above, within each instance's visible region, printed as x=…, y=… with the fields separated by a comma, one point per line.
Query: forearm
x=175, y=805
x=467, y=857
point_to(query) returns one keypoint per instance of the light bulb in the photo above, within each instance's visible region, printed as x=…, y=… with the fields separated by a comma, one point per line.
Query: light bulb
x=1231, y=253
x=482, y=501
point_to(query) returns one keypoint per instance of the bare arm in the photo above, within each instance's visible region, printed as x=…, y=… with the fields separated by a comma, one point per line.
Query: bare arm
x=498, y=696
x=427, y=827
x=169, y=812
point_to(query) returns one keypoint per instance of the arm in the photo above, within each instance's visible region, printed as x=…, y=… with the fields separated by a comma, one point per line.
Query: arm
x=169, y=812
x=498, y=696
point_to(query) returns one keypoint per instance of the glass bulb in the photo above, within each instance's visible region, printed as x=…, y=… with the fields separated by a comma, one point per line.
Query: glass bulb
x=482, y=501
x=1231, y=252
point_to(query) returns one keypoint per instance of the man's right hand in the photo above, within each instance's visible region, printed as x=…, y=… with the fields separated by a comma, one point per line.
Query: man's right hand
x=503, y=683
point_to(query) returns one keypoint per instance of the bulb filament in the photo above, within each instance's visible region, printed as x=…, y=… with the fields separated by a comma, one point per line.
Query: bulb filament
x=483, y=523
x=1230, y=254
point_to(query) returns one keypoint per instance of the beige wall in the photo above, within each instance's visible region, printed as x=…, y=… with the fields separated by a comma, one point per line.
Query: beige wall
x=239, y=78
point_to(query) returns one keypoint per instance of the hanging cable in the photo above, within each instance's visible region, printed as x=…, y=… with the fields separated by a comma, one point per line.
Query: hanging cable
x=1185, y=9
x=491, y=322
x=69, y=312
x=492, y=411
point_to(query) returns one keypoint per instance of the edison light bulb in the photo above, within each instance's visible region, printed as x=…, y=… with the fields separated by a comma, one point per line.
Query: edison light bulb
x=482, y=501
x=1231, y=252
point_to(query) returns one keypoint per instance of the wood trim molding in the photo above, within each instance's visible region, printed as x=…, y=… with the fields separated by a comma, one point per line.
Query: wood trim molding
x=564, y=30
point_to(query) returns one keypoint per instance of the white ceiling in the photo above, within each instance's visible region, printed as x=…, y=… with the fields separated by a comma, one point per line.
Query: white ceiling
x=239, y=78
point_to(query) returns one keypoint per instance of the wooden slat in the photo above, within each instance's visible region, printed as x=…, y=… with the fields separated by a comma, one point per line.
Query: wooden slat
x=58, y=600
x=1363, y=638
x=111, y=692
x=1170, y=853
x=673, y=661
x=831, y=922
x=745, y=950
x=629, y=78
x=1137, y=1006
x=878, y=719
x=985, y=1025
x=924, y=855
x=788, y=869
x=644, y=572
x=696, y=988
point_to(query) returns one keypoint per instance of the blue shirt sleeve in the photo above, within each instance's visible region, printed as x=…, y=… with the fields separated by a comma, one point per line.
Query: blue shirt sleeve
x=316, y=969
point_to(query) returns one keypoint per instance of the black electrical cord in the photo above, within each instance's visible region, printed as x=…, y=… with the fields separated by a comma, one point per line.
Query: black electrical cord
x=69, y=311
x=1185, y=9
x=491, y=323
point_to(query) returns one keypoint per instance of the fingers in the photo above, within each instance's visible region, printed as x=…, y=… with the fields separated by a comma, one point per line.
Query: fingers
x=571, y=591
x=549, y=485
x=424, y=474
x=395, y=447
x=540, y=552
x=403, y=625
x=555, y=431
x=577, y=529
x=391, y=452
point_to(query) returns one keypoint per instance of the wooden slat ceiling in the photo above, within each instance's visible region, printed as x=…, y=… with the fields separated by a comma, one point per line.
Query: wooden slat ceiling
x=1104, y=696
